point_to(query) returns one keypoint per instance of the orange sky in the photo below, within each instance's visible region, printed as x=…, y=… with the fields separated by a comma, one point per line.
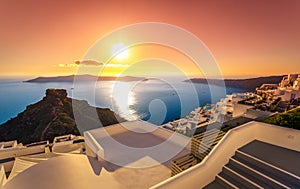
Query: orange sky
x=247, y=38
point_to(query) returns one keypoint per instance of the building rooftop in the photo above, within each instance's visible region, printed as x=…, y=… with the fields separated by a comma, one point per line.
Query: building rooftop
x=135, y=141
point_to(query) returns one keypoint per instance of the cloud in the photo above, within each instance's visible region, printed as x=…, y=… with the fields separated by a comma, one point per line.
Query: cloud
x=88, y=63
x=67, y=65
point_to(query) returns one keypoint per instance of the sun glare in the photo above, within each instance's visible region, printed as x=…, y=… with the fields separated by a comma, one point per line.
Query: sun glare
x=120, y=51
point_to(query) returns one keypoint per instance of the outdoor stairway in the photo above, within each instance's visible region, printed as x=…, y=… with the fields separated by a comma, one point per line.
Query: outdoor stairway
x=201, y=145
x=182, y=163
x=244, y=170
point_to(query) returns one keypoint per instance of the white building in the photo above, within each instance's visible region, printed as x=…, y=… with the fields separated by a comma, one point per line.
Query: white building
x=288, y=88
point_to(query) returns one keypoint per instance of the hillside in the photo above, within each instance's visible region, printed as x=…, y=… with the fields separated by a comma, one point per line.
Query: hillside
x=53, y=116
x=248, y=84
x=289, y=119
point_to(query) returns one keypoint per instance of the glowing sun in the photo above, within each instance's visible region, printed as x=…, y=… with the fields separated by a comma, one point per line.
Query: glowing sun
x=120, y=51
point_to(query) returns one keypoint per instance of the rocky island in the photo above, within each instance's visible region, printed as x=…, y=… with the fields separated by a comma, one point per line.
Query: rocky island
x=54, y=116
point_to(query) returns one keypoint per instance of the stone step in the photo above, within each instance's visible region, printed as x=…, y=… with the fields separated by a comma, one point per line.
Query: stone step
x=289, y=179
x=220, y=183
x=239, y=180
x=225, y=183
x=254, y=175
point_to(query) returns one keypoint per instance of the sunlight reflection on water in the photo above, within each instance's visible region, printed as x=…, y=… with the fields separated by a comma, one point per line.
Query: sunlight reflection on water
x=123, y=100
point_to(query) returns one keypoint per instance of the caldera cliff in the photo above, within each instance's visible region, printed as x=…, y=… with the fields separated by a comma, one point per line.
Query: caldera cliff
x=54, y=116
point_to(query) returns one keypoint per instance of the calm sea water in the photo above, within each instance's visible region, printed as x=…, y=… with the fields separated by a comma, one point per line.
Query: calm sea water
x=152, y=100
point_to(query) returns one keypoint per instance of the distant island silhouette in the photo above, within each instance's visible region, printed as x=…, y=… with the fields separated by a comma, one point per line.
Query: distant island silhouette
x=249, y=84
x=83, y=78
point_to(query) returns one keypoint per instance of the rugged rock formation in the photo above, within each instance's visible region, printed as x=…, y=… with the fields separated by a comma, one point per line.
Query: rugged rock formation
x=54, y=116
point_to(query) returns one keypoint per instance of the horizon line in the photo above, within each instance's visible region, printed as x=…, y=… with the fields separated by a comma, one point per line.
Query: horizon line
x=188, y=76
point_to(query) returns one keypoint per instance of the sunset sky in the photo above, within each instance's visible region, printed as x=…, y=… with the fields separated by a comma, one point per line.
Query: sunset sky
x=247, y=38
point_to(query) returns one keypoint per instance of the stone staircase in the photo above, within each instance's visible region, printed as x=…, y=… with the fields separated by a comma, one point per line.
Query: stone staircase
x=247, y=171
x=201, y=145
x=182, y=163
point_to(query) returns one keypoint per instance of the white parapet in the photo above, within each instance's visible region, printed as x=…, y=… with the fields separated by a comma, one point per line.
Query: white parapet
x=68, y=144
x=3, y=178
x=93, y=148
x=9, y=144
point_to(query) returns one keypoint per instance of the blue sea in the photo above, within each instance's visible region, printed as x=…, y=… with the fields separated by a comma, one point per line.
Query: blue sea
x=152, y=100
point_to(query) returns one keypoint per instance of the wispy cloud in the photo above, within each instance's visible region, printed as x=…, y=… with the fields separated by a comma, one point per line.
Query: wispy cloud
x=88, y=63
x=82, y=63
x=67, y=65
